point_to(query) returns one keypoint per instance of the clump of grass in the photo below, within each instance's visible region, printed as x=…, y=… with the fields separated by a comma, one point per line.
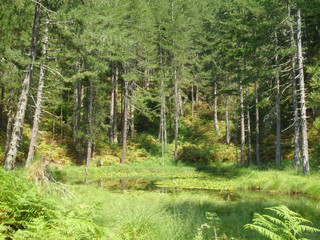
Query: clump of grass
x=282, y=181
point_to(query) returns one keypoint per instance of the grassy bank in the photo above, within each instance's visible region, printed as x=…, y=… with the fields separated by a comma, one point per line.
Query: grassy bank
x=79, y=211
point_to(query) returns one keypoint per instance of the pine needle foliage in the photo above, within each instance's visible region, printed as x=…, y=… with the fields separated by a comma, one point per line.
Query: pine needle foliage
x=286, y=224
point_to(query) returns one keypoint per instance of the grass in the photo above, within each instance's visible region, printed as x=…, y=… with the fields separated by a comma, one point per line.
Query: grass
x=156, y=215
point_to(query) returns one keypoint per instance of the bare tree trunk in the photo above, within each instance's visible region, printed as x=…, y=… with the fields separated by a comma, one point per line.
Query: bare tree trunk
x=176, y=114
x=192, y=101
x=61, y=120
x=278, y=107
x=132, y=112
x=243, y=140
x=125, y=120
x=197, y=98
x=75, y=107
x=249, y=130
x=304, y=129
x=22, y=105
x=2, y=124
x=94, y=144
x=9, y=127
x=257, y=122
x=294, y=97
x=67, y=118
x=121, y=107
x=216, y=125
x=111, y=118
x=77, y=119
x=228, y=136
x=227, y=120
x=115, y=107
x=180, y=102
x=163, y=125
x=170, y=114
x=37, y=112
x=242, y=125
x=89, y=146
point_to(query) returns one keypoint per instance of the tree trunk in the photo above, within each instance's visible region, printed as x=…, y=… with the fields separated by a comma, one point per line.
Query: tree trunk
x=216, y=125
x=132, y=112
x=22, y=105
x=243, y=140
x=121, y=107
x=90, y=118
x=163, y=125
x=78, y=120
x=94, y=144
x=125, y=120
x=278, y=107
x=170, y=114
x=176, y=114
x=180, y=102
x=227, y=120
x=197, y=98
x=61, y=120
x=115, y=107
x=305, y=153
x=242, y=125
x=192, y=101
x=111, y=118
x=37, y=112
x=257, y=122
x=249, y=129
x=9, y=127
x=294, y=97
x=2, y=124
x=227, y=114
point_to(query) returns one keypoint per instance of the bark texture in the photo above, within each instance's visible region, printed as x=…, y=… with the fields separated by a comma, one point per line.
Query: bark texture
x=294, y=97
x=249, y=129
x=22, y=105
x=125, y=120
x=257, y=122
x=176, y=114
x=37, y=112
x=216, y=124
x=278, y=107
x=305, y=150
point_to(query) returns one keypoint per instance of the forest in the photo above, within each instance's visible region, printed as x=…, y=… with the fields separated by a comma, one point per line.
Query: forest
x=171, y=119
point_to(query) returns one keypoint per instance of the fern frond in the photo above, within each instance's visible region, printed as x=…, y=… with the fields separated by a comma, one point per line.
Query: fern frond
x=305, y=228
x=264, y=231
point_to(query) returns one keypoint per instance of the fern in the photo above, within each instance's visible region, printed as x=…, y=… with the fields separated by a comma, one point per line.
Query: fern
x=29, y=212
x=287, y=224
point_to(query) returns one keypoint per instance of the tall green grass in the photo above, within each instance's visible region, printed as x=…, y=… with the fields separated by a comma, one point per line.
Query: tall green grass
x=157, y=215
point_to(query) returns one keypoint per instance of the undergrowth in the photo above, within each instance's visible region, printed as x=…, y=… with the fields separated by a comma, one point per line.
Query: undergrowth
x=28, y=211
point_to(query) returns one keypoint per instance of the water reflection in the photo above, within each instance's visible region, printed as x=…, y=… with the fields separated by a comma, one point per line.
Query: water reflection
x=150, y=185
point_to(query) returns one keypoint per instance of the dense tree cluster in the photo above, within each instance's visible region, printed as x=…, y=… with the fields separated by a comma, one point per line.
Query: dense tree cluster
x=100, y=67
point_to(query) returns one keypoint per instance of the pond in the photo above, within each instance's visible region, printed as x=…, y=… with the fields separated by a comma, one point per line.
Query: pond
x=164, y=199
x=156, y=185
